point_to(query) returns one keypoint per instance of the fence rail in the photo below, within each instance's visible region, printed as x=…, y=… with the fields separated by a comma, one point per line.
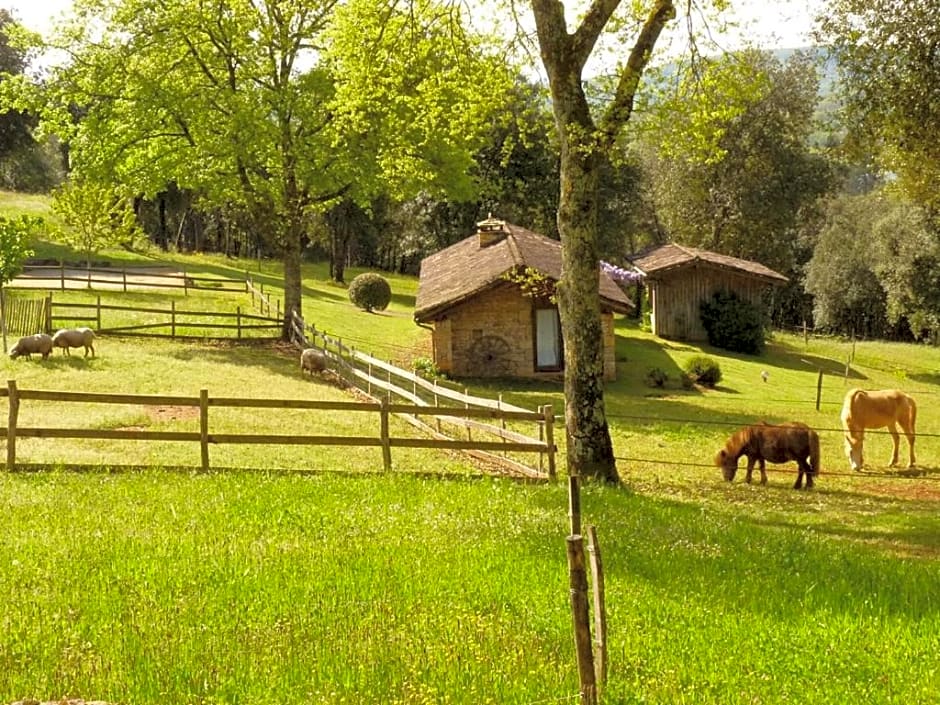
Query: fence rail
x=175, y=322
x=446, y=407
x=381, y=408
x=123, y=278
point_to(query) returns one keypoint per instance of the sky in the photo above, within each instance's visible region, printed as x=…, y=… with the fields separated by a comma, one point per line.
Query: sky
x=775, y=23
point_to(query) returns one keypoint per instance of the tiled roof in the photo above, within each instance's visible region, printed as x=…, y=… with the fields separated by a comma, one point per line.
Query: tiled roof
x=659, y=259
x=466, y=268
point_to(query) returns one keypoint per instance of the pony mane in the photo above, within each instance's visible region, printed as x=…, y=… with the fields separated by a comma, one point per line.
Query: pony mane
x=739, y=439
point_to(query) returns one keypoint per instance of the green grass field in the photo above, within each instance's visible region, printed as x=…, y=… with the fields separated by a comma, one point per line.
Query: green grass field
x=311, y=576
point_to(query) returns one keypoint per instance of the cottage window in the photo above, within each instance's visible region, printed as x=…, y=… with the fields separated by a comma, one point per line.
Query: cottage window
x=548, y=345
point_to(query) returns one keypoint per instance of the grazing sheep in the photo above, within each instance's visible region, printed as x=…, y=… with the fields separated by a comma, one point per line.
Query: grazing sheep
x=39, y=343
x=313, y=360
x=75, y=338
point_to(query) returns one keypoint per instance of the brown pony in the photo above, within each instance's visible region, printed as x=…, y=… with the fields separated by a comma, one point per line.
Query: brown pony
x=886, y=408
x=775, y=443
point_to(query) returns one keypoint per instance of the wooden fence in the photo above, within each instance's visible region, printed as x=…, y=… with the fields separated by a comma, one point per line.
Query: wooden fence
x=381, y=409
x=261, y=299
x=23, y=316
x=160, y=322
x=449, y=408
x=123, y=278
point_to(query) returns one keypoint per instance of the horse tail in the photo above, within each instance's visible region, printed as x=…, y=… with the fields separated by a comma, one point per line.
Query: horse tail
x=814, y=451
x=912, y=412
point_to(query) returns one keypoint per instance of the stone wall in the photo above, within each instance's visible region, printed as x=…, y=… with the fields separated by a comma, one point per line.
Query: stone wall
x=491, y=335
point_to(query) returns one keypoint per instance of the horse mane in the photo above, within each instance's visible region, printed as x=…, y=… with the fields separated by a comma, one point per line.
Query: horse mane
x=739, y=439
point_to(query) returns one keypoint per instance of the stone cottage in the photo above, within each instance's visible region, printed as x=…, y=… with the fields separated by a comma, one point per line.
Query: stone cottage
x=484, y=324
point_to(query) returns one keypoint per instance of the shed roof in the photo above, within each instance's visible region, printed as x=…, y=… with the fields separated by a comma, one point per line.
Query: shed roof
x=477, y=263
x=661, y=259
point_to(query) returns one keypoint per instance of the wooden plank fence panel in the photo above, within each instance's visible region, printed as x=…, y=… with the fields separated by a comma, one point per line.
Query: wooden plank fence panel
x=480, y=448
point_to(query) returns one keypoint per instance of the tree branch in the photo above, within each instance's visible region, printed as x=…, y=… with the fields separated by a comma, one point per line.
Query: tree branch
x=621, y=107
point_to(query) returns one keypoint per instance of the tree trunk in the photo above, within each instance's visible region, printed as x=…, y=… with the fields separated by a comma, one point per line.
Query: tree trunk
x=564, y=54
x=163, y=239
x=590, y=450
x=292, y=281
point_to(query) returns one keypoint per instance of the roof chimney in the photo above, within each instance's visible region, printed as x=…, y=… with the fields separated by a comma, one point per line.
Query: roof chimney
x=491, y=231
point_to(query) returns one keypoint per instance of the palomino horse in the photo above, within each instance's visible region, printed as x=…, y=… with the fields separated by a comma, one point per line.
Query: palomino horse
x=775, y=443
x=883, y=409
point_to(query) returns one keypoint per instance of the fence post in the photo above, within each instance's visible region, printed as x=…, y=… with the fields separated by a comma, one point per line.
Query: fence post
x=580, y=613
x=548, y=413
x=124, y=278
x=577, y=580
x=3, y=315
x=172, y=319
x=600, y=610
x=185, y=284
x=818, y=389
x=88, y=273
x=386, y=441
x=437, y=403
x=98, y=312
x=238, y=321
x=11, y=424
x=204, y=427
x=466, y=405
x=62, y=273
x=574, y=505
x=502, y=419
x=48, y=313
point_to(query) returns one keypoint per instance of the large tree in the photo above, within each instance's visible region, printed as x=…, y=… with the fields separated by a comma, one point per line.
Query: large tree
x=888, y=53
x=847, y=295
x=732, y=167
x=273, y=108
x=585, y=139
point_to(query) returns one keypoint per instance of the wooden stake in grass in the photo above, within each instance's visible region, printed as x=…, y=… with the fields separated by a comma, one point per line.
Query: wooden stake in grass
x=11, y=424
x=580, y=614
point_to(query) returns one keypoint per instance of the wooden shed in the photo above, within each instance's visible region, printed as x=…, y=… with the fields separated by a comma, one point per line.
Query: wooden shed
x=679, y=279
x=483, y=324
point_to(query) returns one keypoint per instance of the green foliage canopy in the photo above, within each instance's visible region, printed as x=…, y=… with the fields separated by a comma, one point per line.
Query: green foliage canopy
x=96, y=215
x=278, y=108
x=729, y=161
x=16, y=235
x=887, y=58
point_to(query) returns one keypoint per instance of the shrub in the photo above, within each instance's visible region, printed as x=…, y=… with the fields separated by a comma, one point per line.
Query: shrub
x=370, y=292
x=655, y=377
x=425, y=367
x=703, y=370
x=732, y=323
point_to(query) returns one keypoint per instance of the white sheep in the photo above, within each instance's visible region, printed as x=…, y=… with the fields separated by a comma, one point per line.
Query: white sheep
x=38, y=343
x=75, y=338
x=313, y=360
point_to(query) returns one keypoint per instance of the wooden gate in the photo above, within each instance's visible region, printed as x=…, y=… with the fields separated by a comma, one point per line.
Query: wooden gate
x=24, y=315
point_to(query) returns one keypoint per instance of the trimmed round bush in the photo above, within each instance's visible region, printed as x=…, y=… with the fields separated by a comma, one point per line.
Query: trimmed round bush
x=703, y=370
x=370, y=292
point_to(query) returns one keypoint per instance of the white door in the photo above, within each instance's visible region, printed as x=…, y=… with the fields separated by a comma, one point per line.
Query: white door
x=547, y=339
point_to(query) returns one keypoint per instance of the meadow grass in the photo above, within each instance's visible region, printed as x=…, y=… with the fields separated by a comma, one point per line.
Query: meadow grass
x=279, y=578
x=244, y=587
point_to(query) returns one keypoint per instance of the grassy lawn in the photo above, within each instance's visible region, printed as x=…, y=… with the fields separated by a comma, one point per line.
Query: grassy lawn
x=308, y=575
